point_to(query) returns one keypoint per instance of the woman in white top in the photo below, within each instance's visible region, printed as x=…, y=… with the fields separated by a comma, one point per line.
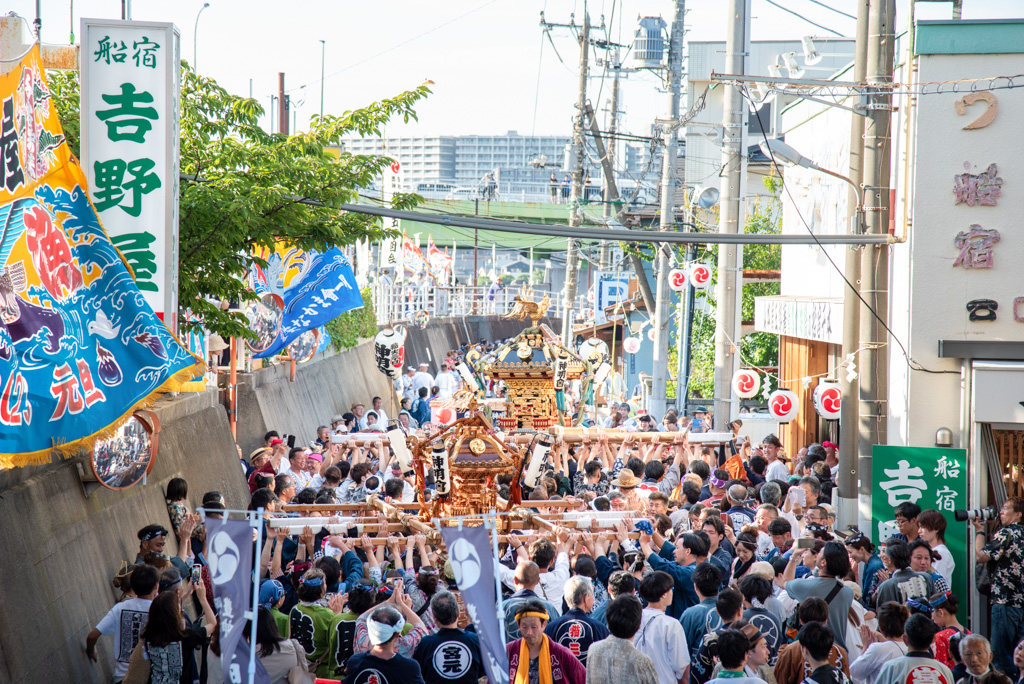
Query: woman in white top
x=885, y=644
x=932, y=528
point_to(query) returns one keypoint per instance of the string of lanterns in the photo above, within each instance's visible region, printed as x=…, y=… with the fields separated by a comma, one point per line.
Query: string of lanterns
x=784, y=404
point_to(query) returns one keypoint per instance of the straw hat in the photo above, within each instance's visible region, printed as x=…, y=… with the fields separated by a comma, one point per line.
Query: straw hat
x=626, y=479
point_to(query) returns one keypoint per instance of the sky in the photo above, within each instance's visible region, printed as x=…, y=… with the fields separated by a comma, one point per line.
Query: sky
x=492, y=67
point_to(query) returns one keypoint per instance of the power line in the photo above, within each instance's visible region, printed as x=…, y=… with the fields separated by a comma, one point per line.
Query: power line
x=802, y=17
x=395, y=47
x=837, y=11
x=911, y=363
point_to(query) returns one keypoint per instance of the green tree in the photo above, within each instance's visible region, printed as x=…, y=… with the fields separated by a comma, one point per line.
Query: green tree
x=349, y=327
x=243, y=188
x=756, y=349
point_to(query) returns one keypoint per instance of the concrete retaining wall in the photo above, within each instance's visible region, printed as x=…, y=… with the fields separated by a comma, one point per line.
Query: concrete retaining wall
x=61, y=549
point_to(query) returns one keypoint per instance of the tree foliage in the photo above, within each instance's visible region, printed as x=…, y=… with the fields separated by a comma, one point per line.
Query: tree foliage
x=347, y=329
x=243, y=188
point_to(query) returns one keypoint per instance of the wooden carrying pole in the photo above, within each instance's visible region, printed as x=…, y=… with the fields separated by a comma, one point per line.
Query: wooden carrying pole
x=575, y=435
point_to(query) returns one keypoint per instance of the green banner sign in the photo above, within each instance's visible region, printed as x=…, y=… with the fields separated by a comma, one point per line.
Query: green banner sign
x=932, y=478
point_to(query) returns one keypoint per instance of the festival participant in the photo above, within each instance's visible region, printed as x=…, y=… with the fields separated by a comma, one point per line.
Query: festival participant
x=832, y=564
x=279, y=654
x=626, y=483
x=575, y=629
x=165, y=644
x=295, y=468
x=734, y=647
x=383, y=660
x=816, y=641
x=660, y=636
x=883, y=646
x=918, y=662
x=450, y=655
x=151, y=538
x=793, y=666
x=526, y=579
x=535, y=657
x=553, y=560
x=702, y=618
x=310, y=622
x=679, y=562
x=932, y=528
x=615, y=660
x=944, y=607
x=126, y=619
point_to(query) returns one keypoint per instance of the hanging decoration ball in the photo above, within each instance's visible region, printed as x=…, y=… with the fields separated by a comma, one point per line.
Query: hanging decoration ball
x=677, y=280
x=700, y=275
x=827, y=398
x=783, y=405
x=650, y=334
x=746, y=383
x=632, y=345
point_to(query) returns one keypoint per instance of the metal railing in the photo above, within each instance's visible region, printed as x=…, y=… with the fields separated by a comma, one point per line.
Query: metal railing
x=400, y=302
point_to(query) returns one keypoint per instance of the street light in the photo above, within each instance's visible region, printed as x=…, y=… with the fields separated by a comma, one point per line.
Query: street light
x=195, y=39
x=778, y=151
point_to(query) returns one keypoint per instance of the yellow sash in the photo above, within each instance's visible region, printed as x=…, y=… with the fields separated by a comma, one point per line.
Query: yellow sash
x=543, y=663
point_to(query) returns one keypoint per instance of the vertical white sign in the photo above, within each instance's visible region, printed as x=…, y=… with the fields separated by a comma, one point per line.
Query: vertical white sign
x=130, y=108
x=392, y=248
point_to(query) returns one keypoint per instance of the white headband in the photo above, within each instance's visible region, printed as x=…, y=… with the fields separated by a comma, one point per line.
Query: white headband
x=381, y=633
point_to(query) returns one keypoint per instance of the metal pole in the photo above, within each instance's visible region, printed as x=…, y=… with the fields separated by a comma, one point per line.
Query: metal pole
x=256, y=520
x=849, y=410
x=37, y=23
x=233, y=390
x=195, y=39
x=575, y=214
x=613, y=116
x=493, y=520
x=684, y=350
x=658, y=402
x=874, y=268
x=282, y=105
x=734, y=122
x=323, y=63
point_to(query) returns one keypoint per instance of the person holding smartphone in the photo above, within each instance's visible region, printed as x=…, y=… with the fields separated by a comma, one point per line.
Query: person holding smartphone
x=832, y=564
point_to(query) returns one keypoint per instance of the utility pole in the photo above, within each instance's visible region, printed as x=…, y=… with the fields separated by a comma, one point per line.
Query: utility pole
x=575, y=213
x=282, y=105
x=874, y=265
x=731, y=220
x=323, y=63
x=849, y=409
x=613, y=120
x=658, y=402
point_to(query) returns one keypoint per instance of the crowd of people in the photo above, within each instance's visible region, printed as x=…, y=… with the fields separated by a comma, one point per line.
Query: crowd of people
x=723, y=563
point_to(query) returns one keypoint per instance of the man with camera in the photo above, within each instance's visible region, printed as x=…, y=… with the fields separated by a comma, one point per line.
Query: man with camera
x=1006, y=549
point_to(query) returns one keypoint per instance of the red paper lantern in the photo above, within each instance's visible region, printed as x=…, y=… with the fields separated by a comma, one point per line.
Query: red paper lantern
x=746, y=383
x=827, y=399
x=677, y=280
x=783, y=405
x=700, y=275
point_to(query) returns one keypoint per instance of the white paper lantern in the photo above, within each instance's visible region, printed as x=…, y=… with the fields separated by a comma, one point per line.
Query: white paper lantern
x=783, y=405
x=631, y=345
x=746, y=383
x=650, y=334
x=700, y=275
x=827, y=398
x=677, y=280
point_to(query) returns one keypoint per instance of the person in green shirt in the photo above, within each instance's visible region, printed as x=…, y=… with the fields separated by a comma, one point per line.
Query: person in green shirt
x=271, y=597
x=310, y=622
